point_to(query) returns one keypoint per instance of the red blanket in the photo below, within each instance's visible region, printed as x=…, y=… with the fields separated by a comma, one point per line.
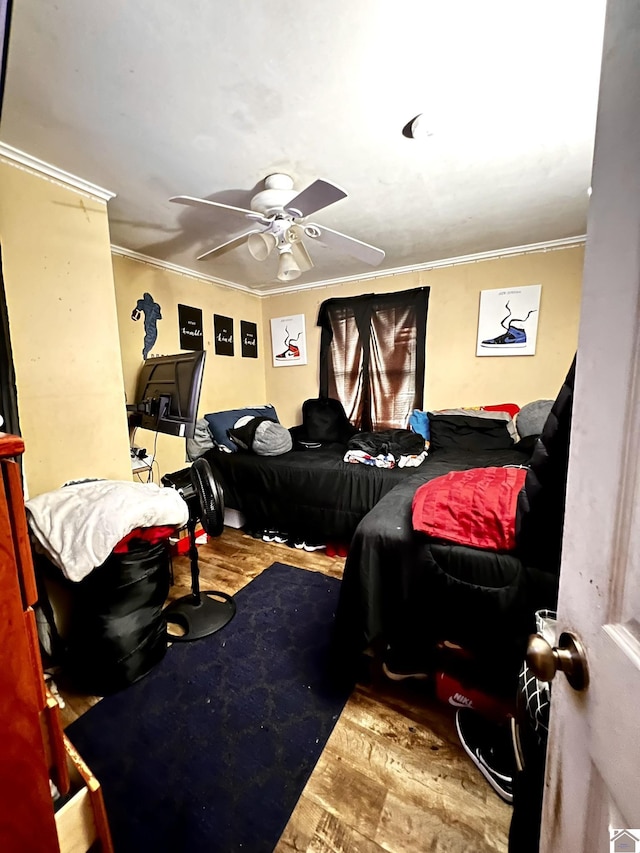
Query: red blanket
x=475, y=507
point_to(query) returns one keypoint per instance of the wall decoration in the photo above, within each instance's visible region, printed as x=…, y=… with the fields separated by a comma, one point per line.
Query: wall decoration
x=288, y=342
x=249, y=338
x=508, y=321
x=190, y=323
x=152, y=314
x=223, y=334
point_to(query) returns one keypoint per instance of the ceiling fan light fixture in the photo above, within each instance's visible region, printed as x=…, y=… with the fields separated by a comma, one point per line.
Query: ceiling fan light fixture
x=261, y=245
x=288, y=269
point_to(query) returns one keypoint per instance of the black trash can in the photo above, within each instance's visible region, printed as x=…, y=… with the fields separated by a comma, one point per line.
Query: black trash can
x=117, y=633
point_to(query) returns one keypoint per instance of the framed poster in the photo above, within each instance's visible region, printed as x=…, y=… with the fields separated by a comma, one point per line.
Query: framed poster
x=190, y=325
x=223, y=334
x=508, y=321
x=288, y=341
x=249, y=339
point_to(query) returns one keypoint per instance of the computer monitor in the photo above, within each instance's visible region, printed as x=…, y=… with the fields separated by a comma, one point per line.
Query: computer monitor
x=168, y=393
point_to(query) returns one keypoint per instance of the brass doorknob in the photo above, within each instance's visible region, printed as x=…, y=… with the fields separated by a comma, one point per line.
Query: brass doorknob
x=568, y=656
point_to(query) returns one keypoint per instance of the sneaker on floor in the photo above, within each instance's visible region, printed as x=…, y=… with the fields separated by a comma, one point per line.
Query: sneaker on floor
x=310, y=546
x=280, y=537
x=400, y=666
x=269, y=535
x=490, y=747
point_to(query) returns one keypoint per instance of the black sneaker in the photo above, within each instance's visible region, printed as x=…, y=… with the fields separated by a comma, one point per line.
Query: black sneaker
x=490, y=747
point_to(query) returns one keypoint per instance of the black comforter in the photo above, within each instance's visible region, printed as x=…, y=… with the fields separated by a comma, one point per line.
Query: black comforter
x=403, y=590
x=399, y=587
x=312, y=495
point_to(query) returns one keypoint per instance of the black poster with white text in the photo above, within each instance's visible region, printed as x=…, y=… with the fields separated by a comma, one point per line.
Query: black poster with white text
x=190, y=322
x=223, y=334
x=249, y=338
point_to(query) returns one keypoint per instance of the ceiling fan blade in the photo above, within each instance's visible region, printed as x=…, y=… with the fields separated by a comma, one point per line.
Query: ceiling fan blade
x=300, y=254
x=348, y=245
x=317, y=195
x=203, y=202
x=230, y=244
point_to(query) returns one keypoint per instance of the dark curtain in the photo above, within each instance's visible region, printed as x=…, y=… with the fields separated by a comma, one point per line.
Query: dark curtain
x=5, y=25
x=8, y=394
x=372, y=355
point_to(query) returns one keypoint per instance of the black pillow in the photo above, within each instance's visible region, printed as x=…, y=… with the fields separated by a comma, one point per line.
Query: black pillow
x=464, y=432
x=325, y=420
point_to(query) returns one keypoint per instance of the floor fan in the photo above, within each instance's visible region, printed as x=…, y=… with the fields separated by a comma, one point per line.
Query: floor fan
x=202, y=612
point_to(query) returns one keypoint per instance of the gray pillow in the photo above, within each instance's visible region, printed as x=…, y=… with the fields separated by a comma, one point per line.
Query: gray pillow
x=262, y=436
x=201, y=442
x=532, y=416
x=271, y=439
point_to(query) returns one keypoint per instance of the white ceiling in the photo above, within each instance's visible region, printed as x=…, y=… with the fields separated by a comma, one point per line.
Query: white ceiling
x=151, y=99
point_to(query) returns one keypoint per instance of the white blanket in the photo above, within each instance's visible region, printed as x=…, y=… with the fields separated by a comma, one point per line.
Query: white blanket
x=78, y=526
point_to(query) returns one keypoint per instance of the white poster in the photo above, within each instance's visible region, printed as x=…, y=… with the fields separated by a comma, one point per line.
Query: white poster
x=288, y=341
x=508, y=321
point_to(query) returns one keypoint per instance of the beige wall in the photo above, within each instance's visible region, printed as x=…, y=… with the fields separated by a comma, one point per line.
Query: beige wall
x=77, y=350
x=64, y=334
x=229, y=381
x=455, y=376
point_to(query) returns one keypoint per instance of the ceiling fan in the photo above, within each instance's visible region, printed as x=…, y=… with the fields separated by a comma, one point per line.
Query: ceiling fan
x=277, y=217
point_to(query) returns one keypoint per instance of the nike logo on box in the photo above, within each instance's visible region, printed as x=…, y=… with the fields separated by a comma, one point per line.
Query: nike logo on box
x=460, y=701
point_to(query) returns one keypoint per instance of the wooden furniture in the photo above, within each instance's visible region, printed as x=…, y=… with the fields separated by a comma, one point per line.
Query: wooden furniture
x=34, y=749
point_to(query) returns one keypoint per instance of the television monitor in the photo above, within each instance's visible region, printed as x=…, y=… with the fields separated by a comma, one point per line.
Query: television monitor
x=168, y=393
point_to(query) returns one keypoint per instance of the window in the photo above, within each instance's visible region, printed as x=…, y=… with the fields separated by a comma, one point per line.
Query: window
x=372, y=356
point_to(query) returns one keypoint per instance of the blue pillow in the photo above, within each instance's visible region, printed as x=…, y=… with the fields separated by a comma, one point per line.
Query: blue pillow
x=220, y=422
x=419, y=422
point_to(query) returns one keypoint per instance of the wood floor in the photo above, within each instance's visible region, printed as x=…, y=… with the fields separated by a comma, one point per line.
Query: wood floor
x=393, y=776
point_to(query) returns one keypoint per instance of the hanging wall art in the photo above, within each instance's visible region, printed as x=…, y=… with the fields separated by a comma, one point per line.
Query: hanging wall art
x=190, y=324
x=223, y=334
x=288, y=342
x=508, y=321
x=249, y=339
x=152, y=314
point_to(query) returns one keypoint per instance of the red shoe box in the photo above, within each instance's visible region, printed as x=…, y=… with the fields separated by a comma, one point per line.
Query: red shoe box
x=179, y=544
x=459, y=694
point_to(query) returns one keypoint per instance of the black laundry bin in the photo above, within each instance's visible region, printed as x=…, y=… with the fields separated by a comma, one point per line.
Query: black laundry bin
x=117, y=633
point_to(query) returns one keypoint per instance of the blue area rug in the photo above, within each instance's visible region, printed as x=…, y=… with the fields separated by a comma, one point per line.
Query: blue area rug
x=211, y=750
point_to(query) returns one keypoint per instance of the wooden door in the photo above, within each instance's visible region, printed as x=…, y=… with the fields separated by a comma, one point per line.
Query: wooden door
x=26, y=808
x=593, y=758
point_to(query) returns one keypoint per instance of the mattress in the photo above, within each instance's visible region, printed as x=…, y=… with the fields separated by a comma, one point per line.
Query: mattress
x=310, y=494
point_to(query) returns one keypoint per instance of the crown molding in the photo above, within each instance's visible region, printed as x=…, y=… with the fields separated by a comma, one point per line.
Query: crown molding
x=548, y=246
x=52, y=173
x=165, y=265
x=495, y=254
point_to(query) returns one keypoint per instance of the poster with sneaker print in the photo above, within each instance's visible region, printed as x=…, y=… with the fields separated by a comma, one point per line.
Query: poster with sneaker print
x=288, y=341
x=508, y=321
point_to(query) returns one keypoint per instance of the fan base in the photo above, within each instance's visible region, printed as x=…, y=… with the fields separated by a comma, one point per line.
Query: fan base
x=199, y=616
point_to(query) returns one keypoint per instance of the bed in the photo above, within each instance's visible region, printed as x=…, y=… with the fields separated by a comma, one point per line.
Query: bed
x=310, y=495
x=405, y=593
x=402, y=590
